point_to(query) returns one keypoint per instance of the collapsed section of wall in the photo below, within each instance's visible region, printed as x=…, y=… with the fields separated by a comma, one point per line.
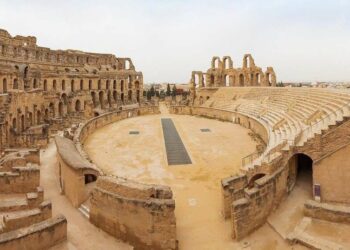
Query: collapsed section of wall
x=140, y=214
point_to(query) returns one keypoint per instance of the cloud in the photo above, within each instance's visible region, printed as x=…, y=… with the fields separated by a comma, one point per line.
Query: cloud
x=304, y=40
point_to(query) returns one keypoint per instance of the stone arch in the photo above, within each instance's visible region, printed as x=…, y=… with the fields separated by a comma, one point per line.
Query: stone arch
x=300, y=171
x=22, y=128
x=241, y=80
x=77, y=106
x=257, y=78
x=137, y=84
x=30, y=118
x=129, y=82
x=227, y=81
x=122, y=97
x=121, y=85
x=72, y=85
x=4, y=85
x=115, y=84
x=52, y=109
x=93, y=97
x=109, y=98
x=35, y=83
x=138, y=95
x=38, y=117
x=81, y=84
x=107, y=84
x=63, y=86
x=130, y=95
x=115, y=95
x=254, y=178
x=101, y=99
x=45, y=85
x=54, y=85
x=227, y=62
x=215, y=62
x=99, y=84
x=61, y=109
x=248, y=61
x=212, y=79
x=89, y=178
x=90, y=84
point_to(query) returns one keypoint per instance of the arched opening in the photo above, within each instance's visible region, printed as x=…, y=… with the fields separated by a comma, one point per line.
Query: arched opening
x=122, y=97
x=15, y=83
x=90, y=178
x=268, y=78
x=227, y=80
x=77, y=106
x=72, y=87
x=115, y=84
x=226, y=63
x=129, y=95
x=137, y=84
x=130, y=82
x=54, y=84
x=45, y=85
x=35, y=84
x=107, y=84
x=30, y=119
x=216, y=63
x=93, y=97
x=254, y=178
x=46, y=115
x=61, y=109
x=241, y=80
x=300, y=172
x=115, y=96
x=127, y=64
x=257, y=78
x=138, y=96
x=4, y=85
x=101, y=99
x=81, y=84
x=38, y=117
x=90, y=84
x=212, y=79
x=109, y=98
x=22, y=123
x=201, y=100
x=14, y=124
x=196, y=80
x=63, y=85
x=251, y=79
x=52, y=109
x=99, y=84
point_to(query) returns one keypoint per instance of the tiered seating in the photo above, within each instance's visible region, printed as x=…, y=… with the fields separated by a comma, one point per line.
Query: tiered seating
x=23, y=210
x=292, y=115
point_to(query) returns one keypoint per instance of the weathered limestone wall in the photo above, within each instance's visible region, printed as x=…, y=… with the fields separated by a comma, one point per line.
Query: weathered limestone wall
x=326, y=211
x=40, y=236
x=334, y=183
x=243, y=120
x=73, y=162
x=140, y=214
x=20, y=180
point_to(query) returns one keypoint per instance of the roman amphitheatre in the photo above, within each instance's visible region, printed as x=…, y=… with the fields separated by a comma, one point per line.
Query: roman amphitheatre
x=88, y=162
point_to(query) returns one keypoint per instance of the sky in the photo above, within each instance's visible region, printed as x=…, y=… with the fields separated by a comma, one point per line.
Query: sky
x=304, y=40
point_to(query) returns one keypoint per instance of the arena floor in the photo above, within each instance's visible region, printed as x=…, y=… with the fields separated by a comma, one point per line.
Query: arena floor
x=214, y=155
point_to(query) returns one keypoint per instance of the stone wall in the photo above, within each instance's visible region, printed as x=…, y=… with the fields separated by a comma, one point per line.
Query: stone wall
x=140, y=214
x=20, y=180
x=40, y=236
x=42, y=90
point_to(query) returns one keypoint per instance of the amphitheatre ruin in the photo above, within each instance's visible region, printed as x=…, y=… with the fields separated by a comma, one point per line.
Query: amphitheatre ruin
x=87, y=162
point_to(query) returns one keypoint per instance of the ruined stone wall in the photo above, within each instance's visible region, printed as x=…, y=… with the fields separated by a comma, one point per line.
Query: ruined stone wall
x=142, y=215
x=42, y=235
x=20, y=180
x=223, y=73
x=42, y=88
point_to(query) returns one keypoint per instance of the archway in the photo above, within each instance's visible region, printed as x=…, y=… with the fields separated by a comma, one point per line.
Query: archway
x=4, y=85
x=122, y=97
x=227, y=80
x=101, y=99
x=90, y=178
x=254, y=178
x=138, y=95
x=241, y=80
x=300, y=172
x=93, y=97
x=60, y=109
x=129, y=95
x=77, y=106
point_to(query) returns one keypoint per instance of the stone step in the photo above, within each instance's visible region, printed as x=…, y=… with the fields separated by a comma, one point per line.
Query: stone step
x=14, y=203
x=85, y=210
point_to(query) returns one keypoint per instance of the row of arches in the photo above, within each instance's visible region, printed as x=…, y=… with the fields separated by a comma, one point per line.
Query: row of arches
x=100, y=100
x=74, y=85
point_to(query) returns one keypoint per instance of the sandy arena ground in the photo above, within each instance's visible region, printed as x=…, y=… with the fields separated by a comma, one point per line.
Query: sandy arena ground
x=196, y=187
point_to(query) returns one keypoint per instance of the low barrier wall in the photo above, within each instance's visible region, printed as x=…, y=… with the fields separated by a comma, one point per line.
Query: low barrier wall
x=140, y=214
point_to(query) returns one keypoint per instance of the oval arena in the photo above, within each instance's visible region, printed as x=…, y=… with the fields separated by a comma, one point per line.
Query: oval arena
x=239, y=163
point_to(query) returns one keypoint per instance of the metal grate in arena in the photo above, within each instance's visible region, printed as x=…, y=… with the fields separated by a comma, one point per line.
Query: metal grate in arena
x=175, y=149
x=205, y=130
x=134, y=132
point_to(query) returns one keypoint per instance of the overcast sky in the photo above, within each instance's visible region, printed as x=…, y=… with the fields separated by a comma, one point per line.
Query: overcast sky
x=304, y=40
